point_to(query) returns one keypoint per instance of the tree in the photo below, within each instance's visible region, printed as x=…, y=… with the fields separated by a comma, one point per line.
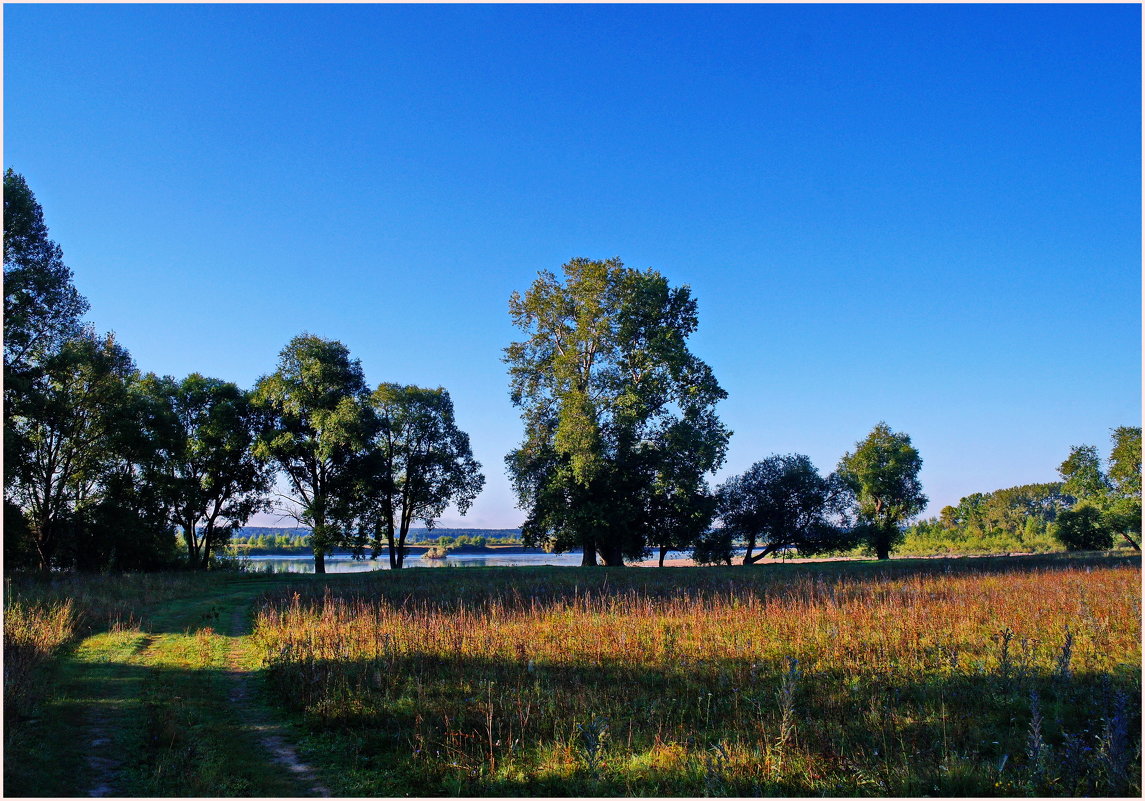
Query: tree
x=41, y=306
x=679, y=506
x=782, y=502
x=607, y=387
x=1083, y=476
x=72, y=419
x=1084, y=529
x=315, y=426
x=1116, y=494
x=205, y=471
x=42, y=309
x=421, y=461
x=883, y=475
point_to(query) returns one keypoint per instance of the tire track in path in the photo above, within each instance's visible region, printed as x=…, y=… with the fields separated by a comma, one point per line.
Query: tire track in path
x=271, y=736
x=105, y=767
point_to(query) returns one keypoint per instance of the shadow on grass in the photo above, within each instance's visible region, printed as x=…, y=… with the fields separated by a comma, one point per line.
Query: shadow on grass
x=476, y=726
x=143, y=731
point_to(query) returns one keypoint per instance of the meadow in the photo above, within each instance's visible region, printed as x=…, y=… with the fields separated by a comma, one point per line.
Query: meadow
x=937, y=677
x=1012, y=676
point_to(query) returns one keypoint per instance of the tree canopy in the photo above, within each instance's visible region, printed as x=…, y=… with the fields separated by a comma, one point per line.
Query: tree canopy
x=420, y=463
x=41, y=305
x=204, y=469
x=782, y=502
x=73, y=421
x=607, y=390
x=882, y=472
x=314, y=429
x=1114, y=495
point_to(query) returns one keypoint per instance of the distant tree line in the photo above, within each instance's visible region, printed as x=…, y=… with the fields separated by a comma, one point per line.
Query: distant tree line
x=104, y=464
x=1094, y=506
x=295, y=540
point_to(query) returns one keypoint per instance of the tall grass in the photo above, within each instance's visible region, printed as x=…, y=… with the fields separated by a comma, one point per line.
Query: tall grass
x=837, y=679
x=33, y=633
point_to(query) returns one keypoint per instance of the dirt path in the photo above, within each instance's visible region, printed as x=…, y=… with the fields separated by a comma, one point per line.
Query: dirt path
x=272, y=737
x=170, y=708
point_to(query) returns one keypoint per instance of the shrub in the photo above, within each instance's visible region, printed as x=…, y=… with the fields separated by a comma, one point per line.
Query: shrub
x=1083, y=529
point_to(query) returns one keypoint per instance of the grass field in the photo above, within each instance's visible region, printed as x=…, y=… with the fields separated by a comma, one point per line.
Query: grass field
x=1018, y=676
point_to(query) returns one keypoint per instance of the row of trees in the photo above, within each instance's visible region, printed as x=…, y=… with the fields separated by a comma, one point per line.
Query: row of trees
x=1090, y=508
x=621, y=433
x=102, y=463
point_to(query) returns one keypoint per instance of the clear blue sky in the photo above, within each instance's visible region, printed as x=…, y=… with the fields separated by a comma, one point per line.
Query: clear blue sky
x=929, y=215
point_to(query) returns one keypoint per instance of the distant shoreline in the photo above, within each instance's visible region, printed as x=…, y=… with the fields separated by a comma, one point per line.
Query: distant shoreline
x=411, y=550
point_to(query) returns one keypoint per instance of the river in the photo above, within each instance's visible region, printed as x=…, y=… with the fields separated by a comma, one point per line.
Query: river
x=342, y=563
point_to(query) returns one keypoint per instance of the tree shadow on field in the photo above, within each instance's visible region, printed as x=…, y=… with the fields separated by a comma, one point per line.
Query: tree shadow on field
x=433, y=725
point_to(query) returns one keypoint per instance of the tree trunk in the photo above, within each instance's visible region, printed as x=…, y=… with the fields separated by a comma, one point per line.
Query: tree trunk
x=44, y=551
x=390, y=546
x=402, y=545
x=883, y=547
x=611, y=555
x=588, y=553
x=663, y=550
x=319, y=561
x=192, y=549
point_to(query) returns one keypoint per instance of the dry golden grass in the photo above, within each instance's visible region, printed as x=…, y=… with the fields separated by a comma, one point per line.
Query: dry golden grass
x=810, y=679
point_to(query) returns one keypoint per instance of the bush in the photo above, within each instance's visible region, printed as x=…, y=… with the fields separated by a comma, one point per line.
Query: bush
x=1083, y=529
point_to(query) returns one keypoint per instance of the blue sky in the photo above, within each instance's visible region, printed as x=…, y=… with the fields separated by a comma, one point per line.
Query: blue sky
x=929, y=215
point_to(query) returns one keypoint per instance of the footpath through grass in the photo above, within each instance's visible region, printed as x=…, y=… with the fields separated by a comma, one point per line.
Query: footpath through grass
x=159, y=701
x=1017, y=676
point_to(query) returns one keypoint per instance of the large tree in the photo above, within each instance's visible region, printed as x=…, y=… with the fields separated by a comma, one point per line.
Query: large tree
x=41, y=306
x=782, y=502
x=882, y=472
x=204, y=468
x=606, y=384
x=72, y=421
x=42, y=309
x=419, y=463
x=316, y=425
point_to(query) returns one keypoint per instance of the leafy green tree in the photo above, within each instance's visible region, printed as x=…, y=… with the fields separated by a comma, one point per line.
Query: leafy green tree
x=206, y=470
x=1084, y=528
x=607, y=390
x=71, y=420
x=315, y=427
x=883, y=475
x=1124, y=511
x=42, y=309
x=127, y=528
x=782, y=502
x=1083, y=476
x=714, y=547
x=420, y=463
x=1116, y=494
